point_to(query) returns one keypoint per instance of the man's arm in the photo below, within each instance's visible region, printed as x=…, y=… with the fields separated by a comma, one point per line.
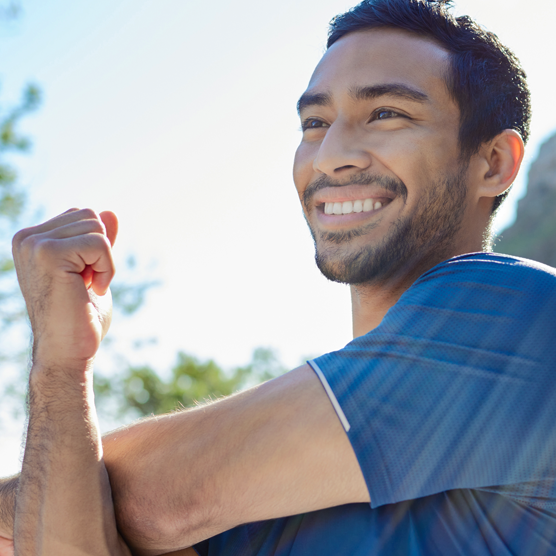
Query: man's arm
x=275, y=450
x=8, y=493
x=64, y=505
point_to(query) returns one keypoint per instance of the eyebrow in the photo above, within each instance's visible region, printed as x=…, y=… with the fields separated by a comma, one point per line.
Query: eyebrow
x=313, y=99
x=365, y=93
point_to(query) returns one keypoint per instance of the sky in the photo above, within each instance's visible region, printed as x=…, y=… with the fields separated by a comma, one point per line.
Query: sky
x=180, y=117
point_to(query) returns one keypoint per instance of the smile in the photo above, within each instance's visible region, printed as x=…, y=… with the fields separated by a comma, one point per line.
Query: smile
x=349, y=207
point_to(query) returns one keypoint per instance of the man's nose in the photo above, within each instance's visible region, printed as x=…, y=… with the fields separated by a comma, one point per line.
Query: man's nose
x=341, y=151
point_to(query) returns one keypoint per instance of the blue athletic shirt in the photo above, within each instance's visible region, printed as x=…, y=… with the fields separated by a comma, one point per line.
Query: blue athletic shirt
x=450, y=406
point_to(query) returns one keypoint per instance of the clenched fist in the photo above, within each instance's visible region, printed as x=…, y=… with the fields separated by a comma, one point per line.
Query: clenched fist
x=64, y=268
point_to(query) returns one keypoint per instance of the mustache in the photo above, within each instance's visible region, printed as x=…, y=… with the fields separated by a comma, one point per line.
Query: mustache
x=387, y=183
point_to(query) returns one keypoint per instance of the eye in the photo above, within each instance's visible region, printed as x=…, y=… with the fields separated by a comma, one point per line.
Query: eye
x=312, y=123
x=385, y=114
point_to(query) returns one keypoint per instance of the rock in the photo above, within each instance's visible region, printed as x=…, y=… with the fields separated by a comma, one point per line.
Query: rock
x=533, y=234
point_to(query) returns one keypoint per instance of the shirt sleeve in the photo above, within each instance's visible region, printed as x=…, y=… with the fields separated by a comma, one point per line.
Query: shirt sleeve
x=457, y=386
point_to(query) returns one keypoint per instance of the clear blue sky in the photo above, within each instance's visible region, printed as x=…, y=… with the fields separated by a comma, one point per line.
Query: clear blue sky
x=180, y=116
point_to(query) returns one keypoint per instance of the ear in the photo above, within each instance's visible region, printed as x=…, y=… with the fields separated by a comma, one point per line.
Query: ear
x=500, y=160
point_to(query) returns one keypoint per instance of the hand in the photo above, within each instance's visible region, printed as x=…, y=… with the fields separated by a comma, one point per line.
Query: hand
x=64, y=268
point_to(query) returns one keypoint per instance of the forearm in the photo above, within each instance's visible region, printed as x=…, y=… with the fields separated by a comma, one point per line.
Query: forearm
x=64, y=504
x=8, y=493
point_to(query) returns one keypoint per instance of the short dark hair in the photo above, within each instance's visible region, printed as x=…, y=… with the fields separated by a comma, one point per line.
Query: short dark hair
x=485, y=79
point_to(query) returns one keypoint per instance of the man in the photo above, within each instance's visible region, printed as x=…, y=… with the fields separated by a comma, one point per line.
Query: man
x=440, y=413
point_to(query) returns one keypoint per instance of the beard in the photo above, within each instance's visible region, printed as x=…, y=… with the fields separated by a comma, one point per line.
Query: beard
x=422, y=238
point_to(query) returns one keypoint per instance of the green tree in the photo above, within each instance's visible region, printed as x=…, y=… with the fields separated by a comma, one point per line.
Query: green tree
x=12, y=204
x=141, y=391
x=14, y=332
x=138, y=390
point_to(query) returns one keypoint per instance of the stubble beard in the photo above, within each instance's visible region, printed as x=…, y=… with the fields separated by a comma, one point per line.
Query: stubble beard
x=419, y=240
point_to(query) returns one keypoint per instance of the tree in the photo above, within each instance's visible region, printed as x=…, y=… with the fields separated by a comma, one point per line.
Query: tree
x=140, y=391
x=12, y=203
x=14, y=331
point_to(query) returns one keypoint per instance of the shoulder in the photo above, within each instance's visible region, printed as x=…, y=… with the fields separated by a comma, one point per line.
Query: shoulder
x=488, y=268
x=485, y=303
x=483, y=281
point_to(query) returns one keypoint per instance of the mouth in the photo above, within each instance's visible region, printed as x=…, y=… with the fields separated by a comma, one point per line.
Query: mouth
x=352, y=205
x=340, y=208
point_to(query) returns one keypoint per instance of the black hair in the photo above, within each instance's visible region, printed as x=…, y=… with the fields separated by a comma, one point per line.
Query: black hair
x=485, y=78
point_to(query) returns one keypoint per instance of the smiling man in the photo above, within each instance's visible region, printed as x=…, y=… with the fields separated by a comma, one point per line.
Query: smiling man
x=432, y=433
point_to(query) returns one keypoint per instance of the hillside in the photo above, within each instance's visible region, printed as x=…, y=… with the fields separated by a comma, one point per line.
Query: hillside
x=533, y=235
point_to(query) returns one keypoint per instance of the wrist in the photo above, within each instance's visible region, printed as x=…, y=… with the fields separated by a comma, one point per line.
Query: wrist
x=46, y=371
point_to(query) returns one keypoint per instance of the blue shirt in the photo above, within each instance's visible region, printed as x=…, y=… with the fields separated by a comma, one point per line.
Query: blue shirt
x=450, y=406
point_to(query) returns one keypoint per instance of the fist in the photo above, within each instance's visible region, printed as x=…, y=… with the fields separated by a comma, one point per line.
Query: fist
x=64, y=268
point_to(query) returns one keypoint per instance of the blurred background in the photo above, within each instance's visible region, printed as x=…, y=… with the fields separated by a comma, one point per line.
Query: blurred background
x=180, y=117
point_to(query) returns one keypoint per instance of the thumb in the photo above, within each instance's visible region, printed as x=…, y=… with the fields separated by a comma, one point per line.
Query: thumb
x=110, y=221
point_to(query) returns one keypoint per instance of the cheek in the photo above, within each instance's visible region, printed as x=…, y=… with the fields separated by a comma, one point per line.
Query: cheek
x=303, y=167
x=416, y=155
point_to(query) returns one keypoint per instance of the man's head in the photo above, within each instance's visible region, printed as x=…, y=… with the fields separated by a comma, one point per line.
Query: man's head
x=408, y=106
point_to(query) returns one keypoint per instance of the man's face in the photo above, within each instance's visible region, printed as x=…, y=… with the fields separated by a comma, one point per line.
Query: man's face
x=378, y=170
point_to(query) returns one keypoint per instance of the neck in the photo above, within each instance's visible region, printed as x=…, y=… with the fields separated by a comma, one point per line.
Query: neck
x=369, y=304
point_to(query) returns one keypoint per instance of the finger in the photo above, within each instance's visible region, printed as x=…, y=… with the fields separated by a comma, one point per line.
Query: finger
x=69, y=210
x=110, y=221
x=103, y=268
x=74, y=229
x=68, y=217
x=87, y=275
x=73, y=255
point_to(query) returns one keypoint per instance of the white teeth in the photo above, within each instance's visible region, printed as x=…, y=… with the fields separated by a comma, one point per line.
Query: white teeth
x=347, y=207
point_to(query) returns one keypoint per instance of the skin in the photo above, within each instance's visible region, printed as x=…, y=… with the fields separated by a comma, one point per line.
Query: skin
x=277, y=449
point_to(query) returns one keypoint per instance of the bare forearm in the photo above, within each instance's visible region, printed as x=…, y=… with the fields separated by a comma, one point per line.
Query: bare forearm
x=64, y=503
x=8, y=493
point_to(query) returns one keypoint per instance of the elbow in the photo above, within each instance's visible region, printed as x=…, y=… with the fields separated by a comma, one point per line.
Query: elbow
x=154, y=516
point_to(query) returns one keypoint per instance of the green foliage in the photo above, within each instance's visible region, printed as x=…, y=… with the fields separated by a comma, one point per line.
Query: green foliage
x=12, y=203
x=12, y=197
x=14, y=332
x=191, y=382
x=139, y=390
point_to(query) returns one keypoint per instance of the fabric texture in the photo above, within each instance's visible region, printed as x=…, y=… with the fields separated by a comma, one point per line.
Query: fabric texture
x=451, y=405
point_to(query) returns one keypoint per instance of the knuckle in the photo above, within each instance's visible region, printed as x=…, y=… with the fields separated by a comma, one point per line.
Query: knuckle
x=42, y=248
x=96, y=226
x=99, y=241
x=26, y=244
x=89, y=214
x=19, y=237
